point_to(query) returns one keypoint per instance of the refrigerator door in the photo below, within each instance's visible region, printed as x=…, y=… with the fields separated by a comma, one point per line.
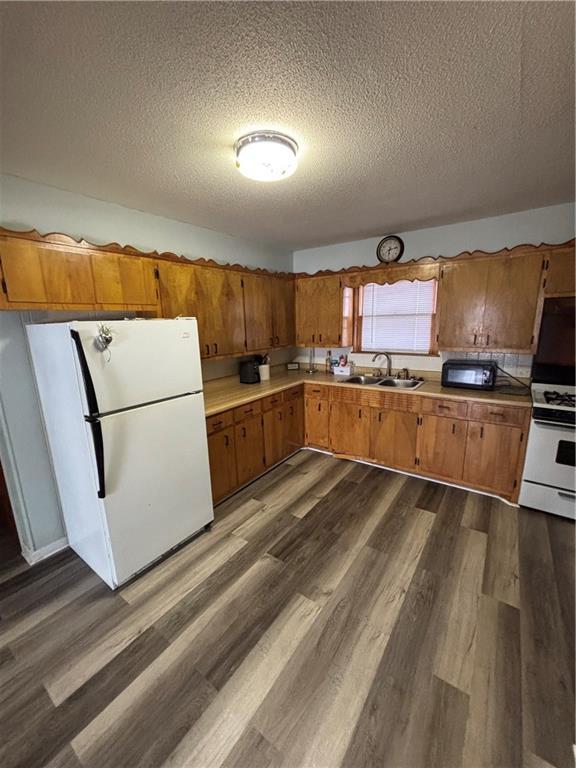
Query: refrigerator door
x=146, y=361
x=155, y=480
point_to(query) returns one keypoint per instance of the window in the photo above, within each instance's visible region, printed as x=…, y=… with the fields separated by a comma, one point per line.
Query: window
x=398, y=317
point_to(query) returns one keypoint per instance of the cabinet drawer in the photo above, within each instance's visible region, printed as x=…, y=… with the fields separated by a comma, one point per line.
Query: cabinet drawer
x=218, y=422
x=295, y=393
x=497, y=414
x=317, y=391
x=454, y=409
x=272, y=401
x=245, y=411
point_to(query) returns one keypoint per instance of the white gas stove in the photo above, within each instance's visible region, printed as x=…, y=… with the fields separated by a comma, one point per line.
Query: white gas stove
x=548, y=483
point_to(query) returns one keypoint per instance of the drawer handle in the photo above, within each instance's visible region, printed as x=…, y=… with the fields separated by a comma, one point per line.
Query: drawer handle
x=497, y=413
x=216, y=424
x=443, y=407
x=248, y=410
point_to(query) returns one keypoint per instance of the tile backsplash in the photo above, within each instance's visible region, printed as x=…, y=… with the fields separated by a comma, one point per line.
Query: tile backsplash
x=517, y=365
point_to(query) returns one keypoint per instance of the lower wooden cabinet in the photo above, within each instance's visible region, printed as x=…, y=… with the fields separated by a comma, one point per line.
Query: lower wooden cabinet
x=350, y=429
x=222, y=456
x=293, y=425
x=441, y=446
x=492, y=455
x=317, y=420
x=250, y=449
x=274, y=436
x=393, y=438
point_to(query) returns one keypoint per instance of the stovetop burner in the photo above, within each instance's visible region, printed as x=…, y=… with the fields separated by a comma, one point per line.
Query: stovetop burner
x=560, y=398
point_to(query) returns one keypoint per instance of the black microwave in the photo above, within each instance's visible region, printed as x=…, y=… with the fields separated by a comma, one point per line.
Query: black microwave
x=469, y=374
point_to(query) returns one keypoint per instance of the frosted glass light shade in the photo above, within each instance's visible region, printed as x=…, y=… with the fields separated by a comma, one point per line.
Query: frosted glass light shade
x=266, y=156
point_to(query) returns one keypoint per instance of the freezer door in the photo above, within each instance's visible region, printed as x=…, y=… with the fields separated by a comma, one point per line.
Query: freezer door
x=147, y=360
x=156, y=480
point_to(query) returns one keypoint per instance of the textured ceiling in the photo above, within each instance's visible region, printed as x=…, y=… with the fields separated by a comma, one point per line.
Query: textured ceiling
x=407, y=114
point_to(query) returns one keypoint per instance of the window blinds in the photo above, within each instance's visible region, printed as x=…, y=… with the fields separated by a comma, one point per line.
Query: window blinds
x=398, y=317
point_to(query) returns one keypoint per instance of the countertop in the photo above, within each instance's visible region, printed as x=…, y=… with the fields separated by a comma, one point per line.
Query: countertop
x=222, y=394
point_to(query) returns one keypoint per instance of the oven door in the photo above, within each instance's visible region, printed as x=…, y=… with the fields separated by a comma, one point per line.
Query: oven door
x=550, y=456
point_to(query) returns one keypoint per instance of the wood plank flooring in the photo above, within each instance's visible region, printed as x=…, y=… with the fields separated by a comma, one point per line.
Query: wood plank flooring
x=336, y=615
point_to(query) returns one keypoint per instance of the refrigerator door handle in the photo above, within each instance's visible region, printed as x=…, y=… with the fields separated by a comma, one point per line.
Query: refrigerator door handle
x=96, y=427
x=91, y=398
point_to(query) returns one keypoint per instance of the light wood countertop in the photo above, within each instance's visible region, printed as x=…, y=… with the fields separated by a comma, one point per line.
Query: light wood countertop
x=222, y=394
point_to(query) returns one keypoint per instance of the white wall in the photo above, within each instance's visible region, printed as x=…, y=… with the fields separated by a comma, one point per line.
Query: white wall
x=27, y=205
x=554, y=224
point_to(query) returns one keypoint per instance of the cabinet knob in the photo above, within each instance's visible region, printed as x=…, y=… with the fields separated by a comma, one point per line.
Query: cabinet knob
x=215, y=349
x=226, y=440
x=243, y=431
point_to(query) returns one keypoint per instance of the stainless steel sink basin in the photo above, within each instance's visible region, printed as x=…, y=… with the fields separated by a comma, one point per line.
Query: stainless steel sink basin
x=363, y=380
x=400, y=383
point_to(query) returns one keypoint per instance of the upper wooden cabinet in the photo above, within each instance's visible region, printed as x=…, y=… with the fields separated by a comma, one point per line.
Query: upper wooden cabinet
x=213, y=296
x=269, y=311
x=490, y=303
x=319, y=311
x=124, y=280
x=560, y=273
x=35, y=274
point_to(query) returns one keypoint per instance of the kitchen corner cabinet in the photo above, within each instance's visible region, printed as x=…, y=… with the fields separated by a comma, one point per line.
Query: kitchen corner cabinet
x=269, y=311
x=490, y=304
x=319, y=312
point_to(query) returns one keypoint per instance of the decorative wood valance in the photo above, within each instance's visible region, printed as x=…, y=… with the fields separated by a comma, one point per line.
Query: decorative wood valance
x=66, y=242
x=425, y=268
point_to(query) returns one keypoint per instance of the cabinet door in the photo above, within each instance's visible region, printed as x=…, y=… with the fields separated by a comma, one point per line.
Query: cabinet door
x=222, y=456
x=221, y=310
x=329, y=309
x=561, y=273
x=512, y=302
x=124, y=280
x=39, y=275
x=274, y=439
x=293, y=425
x=317, y=422
x=393, y=437
x=461, y=300
x=177, y=289
x=283, y=311
x=350, y=429
x=258, y=310
x=441, y=445
x=307, y=299
x=249, y=449
x=492, y=453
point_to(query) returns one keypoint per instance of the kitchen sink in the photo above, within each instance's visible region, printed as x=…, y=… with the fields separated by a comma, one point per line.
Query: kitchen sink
x=400, y=383
x=363, y=380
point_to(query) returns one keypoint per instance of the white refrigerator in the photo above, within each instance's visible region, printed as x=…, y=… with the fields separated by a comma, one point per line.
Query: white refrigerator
x=124, y=414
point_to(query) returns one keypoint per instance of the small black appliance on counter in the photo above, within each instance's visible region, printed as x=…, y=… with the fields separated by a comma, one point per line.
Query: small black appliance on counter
x=469, y=374
x=249, y=373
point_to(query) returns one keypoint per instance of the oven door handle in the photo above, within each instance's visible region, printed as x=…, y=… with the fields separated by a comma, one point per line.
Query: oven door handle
x=567, y=495
x=554, y=424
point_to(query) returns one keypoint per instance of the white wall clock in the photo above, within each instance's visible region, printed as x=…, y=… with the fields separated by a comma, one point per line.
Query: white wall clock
x=390, y=249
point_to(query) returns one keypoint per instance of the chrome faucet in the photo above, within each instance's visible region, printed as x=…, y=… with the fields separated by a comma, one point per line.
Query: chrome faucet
x=388, y=361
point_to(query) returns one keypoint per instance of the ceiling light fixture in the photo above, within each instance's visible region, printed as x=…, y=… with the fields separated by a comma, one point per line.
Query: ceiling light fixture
x=266, y=156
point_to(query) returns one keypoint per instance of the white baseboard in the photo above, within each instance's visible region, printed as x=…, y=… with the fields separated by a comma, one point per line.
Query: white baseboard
x=33, y=556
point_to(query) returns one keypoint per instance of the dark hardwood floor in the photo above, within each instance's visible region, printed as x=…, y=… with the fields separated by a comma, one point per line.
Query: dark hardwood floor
x=336, y=615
